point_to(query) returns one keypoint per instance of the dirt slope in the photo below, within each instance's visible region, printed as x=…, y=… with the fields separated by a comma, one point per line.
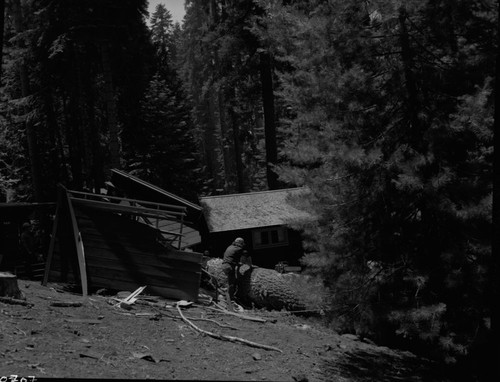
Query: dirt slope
x=96, y=340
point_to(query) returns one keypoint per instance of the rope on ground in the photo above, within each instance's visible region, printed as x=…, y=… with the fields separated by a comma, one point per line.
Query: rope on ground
x=227, y=338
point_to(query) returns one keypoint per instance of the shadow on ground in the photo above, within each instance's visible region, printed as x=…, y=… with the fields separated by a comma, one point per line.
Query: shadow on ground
x=371, y=365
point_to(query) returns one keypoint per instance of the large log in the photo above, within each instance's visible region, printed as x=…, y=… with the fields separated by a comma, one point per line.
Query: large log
x=9, y=287
x=261, y=287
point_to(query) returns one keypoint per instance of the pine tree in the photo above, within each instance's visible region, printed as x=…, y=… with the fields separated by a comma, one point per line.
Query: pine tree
x=231, y=67
x=397, y=155
x=162, y=149
x=164, y=152
x=63, y=57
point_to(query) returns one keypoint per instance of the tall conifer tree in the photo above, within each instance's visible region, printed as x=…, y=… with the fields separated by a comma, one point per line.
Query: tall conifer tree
x=397, y=155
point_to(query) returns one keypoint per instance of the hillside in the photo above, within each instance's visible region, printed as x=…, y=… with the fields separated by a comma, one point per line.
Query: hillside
x=98, y=340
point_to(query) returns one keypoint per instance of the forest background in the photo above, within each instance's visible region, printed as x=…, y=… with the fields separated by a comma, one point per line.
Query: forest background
x=383, y=109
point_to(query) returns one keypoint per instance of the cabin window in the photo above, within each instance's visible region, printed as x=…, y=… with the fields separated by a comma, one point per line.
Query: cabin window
x=270, y=237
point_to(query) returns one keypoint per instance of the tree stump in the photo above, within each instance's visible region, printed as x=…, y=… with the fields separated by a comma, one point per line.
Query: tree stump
x=9, y=287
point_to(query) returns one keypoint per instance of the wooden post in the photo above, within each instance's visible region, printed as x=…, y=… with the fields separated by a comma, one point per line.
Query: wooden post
x=180, y=231
x=79, y=248
x=48, y=262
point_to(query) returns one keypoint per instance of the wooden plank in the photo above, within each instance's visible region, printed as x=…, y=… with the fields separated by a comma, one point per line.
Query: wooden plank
x=90, y=196
x=125, y=252
x=123, y=176
x=154, y=290
x=87, y=227
x=144, y=278
x=79, y=248
x=138, y=237
x=119, y=244
x=170, y=232
x=130, y=285
x=121, y=250
x=52, y=244
x=173, y=271
x=160, y=253
x=182, y=270
x=141, y=211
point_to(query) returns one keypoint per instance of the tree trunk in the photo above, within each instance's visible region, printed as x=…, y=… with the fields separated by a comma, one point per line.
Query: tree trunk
x=72, y=124
x=95, y=161
x=2, y=25
x=211, y=144
x=262, y=287
x=8, y=286
x=213, y=12
x=494, y=278
x=227, y=144
x=412, y=102
x=233, y=116
x=266, y=79
x=36, y=171
x=114, y=139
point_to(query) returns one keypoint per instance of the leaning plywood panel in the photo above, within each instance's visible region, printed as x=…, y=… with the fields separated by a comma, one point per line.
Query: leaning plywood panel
x=121, y=251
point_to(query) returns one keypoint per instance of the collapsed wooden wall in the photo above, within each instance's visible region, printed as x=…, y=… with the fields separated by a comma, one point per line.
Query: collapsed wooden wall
x=122, y=254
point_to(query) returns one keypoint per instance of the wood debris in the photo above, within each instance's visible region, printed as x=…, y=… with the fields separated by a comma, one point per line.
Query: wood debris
x=66, y=304
x=14, y=301
x=82, y=321
x=130, y=299
x=225, y=337
x=239, y=315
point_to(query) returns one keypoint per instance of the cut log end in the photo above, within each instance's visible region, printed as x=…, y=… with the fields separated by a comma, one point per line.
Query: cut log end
x=9, y=286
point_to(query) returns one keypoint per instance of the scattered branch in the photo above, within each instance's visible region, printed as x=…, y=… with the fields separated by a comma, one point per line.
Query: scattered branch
x=242, y=316
x=213, y=321
x=66, y=304
x=227, y=338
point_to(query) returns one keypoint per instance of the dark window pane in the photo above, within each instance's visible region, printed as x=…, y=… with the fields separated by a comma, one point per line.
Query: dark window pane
x=274, y=236
x=264, y=238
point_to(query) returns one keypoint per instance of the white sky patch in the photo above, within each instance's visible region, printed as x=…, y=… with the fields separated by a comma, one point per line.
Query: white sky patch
x=176, y=8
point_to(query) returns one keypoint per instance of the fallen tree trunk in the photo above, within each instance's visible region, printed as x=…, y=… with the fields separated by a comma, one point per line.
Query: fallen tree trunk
x=261, y=287
x=9, y=287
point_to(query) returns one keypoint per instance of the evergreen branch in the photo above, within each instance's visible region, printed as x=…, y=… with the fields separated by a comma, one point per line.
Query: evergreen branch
x=381, y=36
x=385, y=54
x=445, y=66
x=340, y=177
x=422, y=46
x=383, y=133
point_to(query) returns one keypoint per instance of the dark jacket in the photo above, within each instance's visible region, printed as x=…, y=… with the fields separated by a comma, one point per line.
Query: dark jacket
x=233, y=254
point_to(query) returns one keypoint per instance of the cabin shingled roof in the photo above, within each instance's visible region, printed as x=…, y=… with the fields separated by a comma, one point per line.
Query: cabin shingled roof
x=252, y=210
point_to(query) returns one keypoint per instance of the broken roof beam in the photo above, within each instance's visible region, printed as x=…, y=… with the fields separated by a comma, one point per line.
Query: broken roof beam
x=107, y=198
x=133, y=210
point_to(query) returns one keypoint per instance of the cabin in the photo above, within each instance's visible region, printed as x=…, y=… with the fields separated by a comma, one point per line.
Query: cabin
x=114, y=242
x=262, y=219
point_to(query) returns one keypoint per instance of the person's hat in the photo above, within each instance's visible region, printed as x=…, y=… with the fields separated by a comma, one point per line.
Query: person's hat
x=26, y=225
x=239, y=241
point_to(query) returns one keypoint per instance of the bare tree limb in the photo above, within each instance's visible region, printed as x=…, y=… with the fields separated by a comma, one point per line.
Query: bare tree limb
x=227, y=338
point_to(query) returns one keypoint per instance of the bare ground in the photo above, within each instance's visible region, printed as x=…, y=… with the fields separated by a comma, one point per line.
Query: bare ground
x=97, y=340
